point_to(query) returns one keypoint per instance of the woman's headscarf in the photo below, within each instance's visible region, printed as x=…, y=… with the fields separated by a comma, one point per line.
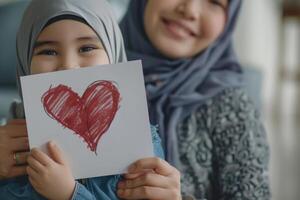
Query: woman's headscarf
x=183, y=84
x=96, y=13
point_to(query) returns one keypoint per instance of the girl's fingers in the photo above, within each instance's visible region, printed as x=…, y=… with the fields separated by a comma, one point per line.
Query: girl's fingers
x=35, y=165
x=132, y=176
x=56, y=153
x=33, y=182
x=32, y=173
x=158, y=165
x=149, y=179
x=19, y=144
x=40, y=156
x=147, y=192
x=135, y=175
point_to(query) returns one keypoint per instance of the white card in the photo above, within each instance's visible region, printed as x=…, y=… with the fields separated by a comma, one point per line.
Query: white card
x=97, y=115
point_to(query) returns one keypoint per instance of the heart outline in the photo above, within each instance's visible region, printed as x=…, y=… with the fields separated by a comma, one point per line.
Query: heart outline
x=83, y=118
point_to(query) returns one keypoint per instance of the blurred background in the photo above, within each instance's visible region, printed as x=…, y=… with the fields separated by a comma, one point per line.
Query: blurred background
x=267, y=42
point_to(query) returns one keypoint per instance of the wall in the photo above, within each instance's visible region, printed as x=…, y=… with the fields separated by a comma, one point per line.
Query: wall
x=257, y=42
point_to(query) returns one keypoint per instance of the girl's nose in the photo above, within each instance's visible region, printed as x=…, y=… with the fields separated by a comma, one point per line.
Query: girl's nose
x=64, y=67
x=69, y=62
x=190, y=9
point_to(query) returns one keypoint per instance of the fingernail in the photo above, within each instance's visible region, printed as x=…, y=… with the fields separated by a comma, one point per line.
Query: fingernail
x=51, y=143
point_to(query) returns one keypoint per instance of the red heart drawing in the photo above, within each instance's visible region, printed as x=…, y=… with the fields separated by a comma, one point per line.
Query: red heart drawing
x=89, y=116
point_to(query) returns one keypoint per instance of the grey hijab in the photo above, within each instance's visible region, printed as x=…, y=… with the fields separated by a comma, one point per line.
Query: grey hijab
x=96, y=13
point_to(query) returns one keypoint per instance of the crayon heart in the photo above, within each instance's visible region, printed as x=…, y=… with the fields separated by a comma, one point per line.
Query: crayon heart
x=89, y=116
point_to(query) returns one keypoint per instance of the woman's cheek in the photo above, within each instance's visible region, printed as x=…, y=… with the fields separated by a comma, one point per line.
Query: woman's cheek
x=212, y=29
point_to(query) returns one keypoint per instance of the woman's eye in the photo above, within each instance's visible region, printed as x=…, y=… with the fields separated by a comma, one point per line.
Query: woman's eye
x=47, y=52
x=217, y=3
x=86, y=49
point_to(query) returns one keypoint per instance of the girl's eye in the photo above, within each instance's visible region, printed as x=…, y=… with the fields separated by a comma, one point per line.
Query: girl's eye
x=47, y=52
x=86, y=49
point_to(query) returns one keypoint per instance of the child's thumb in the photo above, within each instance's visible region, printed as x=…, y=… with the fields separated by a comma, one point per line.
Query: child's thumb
x=55, y=153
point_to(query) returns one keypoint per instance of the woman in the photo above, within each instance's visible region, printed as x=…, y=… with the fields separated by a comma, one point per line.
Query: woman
x=209, y=127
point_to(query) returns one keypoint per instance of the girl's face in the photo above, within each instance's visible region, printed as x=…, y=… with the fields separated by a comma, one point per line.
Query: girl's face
x=184, y=28
x=67, y=44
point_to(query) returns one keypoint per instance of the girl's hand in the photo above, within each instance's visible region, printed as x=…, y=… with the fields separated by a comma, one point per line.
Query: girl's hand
x=150, y=178
x=51, y=177
x=13, y=139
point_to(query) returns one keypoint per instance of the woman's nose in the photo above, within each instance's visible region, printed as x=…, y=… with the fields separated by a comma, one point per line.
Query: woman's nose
x=190, y=9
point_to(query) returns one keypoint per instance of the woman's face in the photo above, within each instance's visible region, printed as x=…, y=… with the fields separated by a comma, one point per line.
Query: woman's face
x=67, y=44
x=184, y=28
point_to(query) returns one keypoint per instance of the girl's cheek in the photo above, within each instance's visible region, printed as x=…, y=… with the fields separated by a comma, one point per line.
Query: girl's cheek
x=43, y=65
x=100, y=58
x=91, y=58
x=104, y=59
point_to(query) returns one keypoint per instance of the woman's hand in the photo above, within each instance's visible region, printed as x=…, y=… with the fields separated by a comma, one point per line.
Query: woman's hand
x=50, y=176
x=13, y=139
x=150, y=178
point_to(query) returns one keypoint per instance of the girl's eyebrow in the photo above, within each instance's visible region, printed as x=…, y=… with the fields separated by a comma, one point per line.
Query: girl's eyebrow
x=93, y=38
x=44, y=42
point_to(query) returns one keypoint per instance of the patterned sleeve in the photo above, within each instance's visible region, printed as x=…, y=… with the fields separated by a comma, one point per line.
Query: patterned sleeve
x=241, y=152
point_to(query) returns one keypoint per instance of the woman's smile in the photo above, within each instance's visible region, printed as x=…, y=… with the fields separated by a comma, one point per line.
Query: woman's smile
x=178, y=29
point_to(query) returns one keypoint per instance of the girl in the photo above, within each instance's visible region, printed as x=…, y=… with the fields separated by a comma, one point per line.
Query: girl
x=209, y=127
x=61, y=35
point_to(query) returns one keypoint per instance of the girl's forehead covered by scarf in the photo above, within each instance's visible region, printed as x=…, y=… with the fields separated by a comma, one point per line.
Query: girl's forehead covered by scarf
x=96, y=13
x=184, y=84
